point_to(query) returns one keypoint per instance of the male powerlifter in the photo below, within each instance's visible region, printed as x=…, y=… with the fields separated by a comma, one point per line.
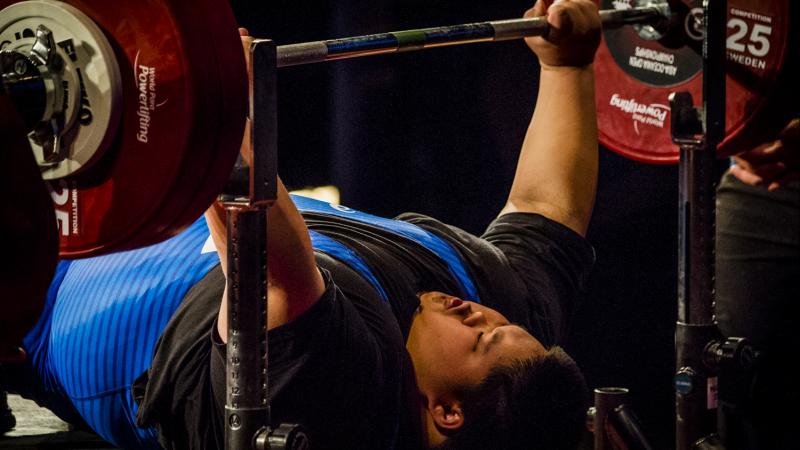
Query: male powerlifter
x=404, y=333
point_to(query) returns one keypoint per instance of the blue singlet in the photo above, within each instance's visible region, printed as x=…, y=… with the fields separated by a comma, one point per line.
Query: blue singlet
x=104, y=315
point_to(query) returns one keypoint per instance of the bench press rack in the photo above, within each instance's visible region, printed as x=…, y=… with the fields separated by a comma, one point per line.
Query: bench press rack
x=247, y=199
x=703, y=355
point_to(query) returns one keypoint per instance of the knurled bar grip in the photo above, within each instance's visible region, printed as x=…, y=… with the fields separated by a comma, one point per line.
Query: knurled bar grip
x=411, y=40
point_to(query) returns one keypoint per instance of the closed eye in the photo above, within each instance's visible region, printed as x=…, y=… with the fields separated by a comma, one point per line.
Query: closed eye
x=477, y=341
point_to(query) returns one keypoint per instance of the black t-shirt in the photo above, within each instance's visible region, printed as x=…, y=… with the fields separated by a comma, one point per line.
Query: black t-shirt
x=337, y=370
x=341, y=369
x=526, y=266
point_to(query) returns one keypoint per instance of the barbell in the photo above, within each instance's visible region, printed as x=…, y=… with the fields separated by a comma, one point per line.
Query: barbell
x=135, y=125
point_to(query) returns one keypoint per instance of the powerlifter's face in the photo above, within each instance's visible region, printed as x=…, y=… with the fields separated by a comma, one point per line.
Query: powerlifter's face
x=454, y=343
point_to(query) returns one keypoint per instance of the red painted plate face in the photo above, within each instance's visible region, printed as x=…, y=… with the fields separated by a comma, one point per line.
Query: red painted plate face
x=635, y=76
x=222, y=49
x=171, y=143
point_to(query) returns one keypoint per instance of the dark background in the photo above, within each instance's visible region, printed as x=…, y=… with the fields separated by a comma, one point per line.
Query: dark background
x=438, y=132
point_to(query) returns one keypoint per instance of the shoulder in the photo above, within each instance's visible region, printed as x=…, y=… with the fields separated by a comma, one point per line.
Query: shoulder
x=344, y=354
x=520, y=229
x=552, y=263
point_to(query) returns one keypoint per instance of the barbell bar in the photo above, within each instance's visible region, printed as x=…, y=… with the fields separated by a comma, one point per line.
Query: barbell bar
x=656, y=14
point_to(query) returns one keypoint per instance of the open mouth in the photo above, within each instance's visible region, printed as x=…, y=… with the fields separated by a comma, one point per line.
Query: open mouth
x=453, y=302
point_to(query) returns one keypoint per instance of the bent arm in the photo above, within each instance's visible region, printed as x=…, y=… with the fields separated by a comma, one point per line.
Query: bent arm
x=557, y=169
x=294, y=282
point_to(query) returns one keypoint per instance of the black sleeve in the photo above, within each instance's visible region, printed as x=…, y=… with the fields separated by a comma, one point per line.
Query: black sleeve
x=553, y=263
x=528, y=267
x=331, y=372
x=175, y=394
x=328, y=371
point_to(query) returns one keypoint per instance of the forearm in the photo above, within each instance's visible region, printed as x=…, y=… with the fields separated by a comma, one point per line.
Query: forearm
x=294, y=283
x=557, y=170
x=292, y=269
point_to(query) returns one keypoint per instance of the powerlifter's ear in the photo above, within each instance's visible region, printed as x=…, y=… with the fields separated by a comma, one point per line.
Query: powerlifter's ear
x=448, y=416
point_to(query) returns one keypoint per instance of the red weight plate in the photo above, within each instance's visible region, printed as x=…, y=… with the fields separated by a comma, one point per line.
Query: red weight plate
x=223, y=49
x=142, y=189
x=197, y=102
x=28, y=234
x=635, y=76
x=219, y=120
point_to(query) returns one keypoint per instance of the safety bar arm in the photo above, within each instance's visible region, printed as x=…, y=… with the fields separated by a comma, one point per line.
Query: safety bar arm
x=247, y=199
x=612, y=422
x=698, y=132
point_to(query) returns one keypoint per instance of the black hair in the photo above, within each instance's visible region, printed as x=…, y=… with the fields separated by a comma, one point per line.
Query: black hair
x=537, y=404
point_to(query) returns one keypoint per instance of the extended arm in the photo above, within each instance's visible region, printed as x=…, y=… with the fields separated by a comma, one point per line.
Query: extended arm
x=557, y=170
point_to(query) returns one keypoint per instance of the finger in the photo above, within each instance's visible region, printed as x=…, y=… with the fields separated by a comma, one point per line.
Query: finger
x=560, y=21
x=764, y=153
x=243, y=32
x=766, y=173
x=539, y=9
x=742, y=164
x=245, y=149
x=769, y=172
x=247, y=41
x=792, y=132
x=745, y=176
x=790, y=137
x=571, y=20
x=789, y=178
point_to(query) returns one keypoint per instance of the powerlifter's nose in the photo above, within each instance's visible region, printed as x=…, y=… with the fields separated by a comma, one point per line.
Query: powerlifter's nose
x=475, y=318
